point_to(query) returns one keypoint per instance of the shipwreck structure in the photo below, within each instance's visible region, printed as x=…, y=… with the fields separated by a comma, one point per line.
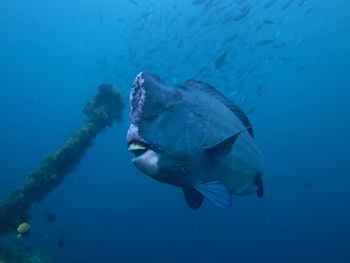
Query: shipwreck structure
x=102, y=111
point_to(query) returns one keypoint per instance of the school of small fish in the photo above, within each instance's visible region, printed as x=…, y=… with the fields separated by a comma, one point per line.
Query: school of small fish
x=206, y=39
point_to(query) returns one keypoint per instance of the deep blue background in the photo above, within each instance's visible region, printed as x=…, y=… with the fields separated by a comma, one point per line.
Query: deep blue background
x=53, y=54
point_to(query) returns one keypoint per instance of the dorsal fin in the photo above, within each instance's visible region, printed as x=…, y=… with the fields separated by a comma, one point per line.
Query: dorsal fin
x=221, y=97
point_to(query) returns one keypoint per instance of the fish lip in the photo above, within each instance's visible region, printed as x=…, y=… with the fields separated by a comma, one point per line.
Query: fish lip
x=140, y=148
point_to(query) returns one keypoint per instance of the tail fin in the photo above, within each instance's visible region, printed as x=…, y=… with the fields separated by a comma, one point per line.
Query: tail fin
x=260, y=186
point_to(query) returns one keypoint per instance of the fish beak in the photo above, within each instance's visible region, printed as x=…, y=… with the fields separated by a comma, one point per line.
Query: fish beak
x=137, y=149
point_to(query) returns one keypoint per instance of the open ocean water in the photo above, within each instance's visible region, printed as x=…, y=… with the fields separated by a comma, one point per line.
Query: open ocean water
x=286, y=63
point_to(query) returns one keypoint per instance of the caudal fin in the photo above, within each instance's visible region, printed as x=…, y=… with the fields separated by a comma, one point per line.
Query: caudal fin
x=260, y=186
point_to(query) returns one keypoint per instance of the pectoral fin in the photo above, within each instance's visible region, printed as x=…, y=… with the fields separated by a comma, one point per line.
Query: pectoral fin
x=217, y=193
x=194, y=199
x=224, y=147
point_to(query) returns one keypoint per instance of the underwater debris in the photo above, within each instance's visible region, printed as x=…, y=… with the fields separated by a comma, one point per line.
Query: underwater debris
x=102, y=111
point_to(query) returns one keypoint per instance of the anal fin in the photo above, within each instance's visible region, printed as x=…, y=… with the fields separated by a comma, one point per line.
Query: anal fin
x=194, y=199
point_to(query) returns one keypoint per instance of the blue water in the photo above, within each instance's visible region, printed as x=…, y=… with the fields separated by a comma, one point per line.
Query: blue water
x=54, y=54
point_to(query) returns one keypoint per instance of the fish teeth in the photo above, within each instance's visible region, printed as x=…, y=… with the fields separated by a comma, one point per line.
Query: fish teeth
x=136, y=146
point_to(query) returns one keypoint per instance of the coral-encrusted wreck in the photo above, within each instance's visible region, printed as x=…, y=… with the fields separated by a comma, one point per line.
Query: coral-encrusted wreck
x=102, y=111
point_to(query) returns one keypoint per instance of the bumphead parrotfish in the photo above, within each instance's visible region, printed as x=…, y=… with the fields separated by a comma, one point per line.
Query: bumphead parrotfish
x=191, y=136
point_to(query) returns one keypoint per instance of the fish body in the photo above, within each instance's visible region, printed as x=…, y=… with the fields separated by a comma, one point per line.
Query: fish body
x=301, y=68
x=243, y=13
x=198, y=2
x=134, y=2
x=23, y=229
x=279, y=45
x=191, y=136
x=49, y=216
x=265, y=42
x=287, y=4
x=301, y=3
x=269, y=22
x=60, y=241
x=221, y=60
x=232, y=38
x=309, y=10
x=269, y=4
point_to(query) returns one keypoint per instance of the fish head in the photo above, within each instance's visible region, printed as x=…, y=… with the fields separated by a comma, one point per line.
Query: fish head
x=155, y=115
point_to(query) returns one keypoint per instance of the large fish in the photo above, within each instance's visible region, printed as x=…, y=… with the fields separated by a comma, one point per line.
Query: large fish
x=191, y=136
